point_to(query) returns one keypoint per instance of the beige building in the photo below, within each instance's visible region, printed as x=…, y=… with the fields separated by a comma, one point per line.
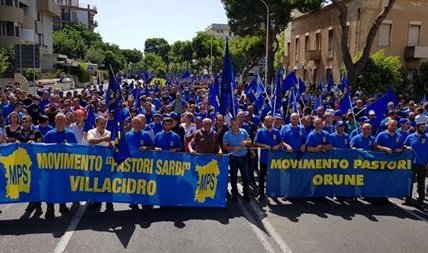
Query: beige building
x=313, y=40
x=27, y=22
x=219, y=30
x=72, y=11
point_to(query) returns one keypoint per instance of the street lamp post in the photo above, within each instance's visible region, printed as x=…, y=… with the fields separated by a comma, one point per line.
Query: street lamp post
x=267, y=43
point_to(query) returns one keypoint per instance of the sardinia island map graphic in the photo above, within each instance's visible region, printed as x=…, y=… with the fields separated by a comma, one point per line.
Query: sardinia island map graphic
x=207, y=181
x=18, y=173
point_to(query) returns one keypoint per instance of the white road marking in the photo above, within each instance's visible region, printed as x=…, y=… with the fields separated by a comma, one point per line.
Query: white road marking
x=65, y=239
x=268, y=226
x=257, y=231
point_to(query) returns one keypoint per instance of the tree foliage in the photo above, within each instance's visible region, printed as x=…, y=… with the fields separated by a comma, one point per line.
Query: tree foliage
x=379, y=72
x=7, y=57
x=248, y=17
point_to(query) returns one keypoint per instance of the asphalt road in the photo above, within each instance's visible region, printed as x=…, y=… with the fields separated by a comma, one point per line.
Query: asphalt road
x=277, y=225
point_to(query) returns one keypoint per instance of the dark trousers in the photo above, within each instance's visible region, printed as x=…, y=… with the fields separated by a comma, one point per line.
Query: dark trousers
x=252, y=165
x=262, y=178
x=418, y=175
x=241, y=163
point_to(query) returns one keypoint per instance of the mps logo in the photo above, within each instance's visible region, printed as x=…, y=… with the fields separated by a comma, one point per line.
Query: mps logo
x=18, y=174
x=207, y=181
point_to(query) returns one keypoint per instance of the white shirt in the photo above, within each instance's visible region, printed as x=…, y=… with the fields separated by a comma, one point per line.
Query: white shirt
x=95, y=134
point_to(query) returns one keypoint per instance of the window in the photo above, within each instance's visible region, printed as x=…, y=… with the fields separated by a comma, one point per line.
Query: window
x=330, y=39
x=385, y=35
x=330, y=43
x=297, y=49
x=288, y=48
x=16, y=25
x=307, y=43
x=414, y=33
x=10, y=29
x=318, y=41
x=41, y=38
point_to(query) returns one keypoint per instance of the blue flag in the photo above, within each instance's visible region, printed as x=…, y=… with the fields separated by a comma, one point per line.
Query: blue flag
x=213, y=96
x=227, y=85
x=90, y=119
x=259, y=92
x=424, y=99
x=278, y=91
x=185, y=75
x=294, y=100
x=318, y=103
x=345, y=103
x=114, y=102
x=302, y=86
x=289, y=81
x=380, y=106
x=137, y=101
x=251, y=88
x=344, y=85
x=330, y=82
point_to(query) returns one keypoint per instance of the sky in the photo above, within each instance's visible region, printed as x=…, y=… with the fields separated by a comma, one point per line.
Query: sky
x=128, y=23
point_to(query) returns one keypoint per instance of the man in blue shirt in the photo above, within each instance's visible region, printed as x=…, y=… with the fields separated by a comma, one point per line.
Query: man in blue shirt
x=58, y=135
x=389, y=140
x=137, y=139
x=418, y=142
x=156, y=125
x=267, y=138
x=294, y=135
x=318, y=140
x=340, y=139
x=364, y=140
x=167, y=140
x=235, y=142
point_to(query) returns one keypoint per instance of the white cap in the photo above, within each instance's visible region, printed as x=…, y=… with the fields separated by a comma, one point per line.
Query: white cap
x=371, y=112
x=421, y=119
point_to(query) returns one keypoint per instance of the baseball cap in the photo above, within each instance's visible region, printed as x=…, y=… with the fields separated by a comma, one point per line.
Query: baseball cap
x=371, y=112
x=362, y=119
x=404, y=121
x=340, y=123
x=421, y=119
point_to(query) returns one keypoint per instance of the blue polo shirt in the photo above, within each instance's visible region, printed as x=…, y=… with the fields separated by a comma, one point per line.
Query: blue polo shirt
x=293, y=136
x=339, y=141
x=404, y=134
x=157, y=128
x=167, y=141
x=137, y=139
x=419, y=145
x=391, y=141
x=234, y=140
x=44, y=130
x=354, y=133
x=359, y=141
x=314, y=138
x=271, y=138
x=66, y=136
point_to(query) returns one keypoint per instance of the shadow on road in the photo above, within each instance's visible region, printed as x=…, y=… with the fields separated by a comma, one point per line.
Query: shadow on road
x=123, y=222
x=293, y=209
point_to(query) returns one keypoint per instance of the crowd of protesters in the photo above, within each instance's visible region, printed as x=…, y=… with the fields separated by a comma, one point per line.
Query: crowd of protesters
x=179, y=118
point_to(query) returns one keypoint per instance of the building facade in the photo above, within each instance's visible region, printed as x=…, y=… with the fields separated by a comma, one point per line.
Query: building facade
x=313, y=40
x=27, y=22
x=72, y=11
x=219, y=30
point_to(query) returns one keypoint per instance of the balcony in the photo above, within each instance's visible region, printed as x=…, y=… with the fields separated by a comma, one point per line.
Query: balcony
x=11, y=14
x=416, y=52
x=49, y=6
x=314, y=55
